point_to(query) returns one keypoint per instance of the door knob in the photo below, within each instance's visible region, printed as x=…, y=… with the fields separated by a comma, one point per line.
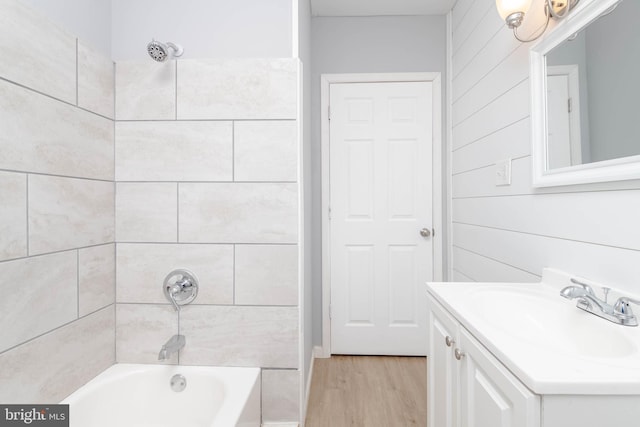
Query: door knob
x=425, y=232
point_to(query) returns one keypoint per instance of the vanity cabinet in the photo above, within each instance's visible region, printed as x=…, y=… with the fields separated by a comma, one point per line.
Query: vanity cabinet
x=467, y=385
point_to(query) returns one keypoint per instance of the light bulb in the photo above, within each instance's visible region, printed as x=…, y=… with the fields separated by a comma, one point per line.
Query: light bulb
x=512, y=11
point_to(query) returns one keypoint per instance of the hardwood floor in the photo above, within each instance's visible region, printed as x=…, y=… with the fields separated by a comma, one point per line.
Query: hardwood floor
x=368, y=391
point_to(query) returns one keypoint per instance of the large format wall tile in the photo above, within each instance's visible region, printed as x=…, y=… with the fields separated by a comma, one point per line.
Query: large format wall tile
x=13, y=215
x=145, y=90
x=146, y=212
x=280, y=395
x=49, y=368
x=67, y=213
x=96, y=275
x=143, y=268
x=142, y=329
x=238, y=213
x=266, y=151
x=35, y=52
x=40, y=134
x=96, y=73
x=240, y=336
x=237, y=89
x=174, y=151
x=266, y=274
x=47, y=297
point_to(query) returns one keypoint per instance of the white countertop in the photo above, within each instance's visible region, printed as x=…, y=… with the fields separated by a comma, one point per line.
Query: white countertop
x=543, y=339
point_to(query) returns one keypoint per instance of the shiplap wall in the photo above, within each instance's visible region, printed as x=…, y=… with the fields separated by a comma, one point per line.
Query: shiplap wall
x=511, y=233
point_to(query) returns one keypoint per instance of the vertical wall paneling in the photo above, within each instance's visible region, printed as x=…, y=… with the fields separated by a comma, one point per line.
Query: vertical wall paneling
x=511, y=233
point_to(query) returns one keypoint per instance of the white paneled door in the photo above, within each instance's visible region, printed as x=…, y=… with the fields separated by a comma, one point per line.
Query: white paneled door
x=381, y=216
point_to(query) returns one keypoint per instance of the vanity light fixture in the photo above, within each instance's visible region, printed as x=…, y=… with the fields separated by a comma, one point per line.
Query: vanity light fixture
x=513, y=11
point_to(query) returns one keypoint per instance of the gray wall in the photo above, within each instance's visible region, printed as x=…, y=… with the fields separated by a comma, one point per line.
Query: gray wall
x=88, y=19
x=363, y=45
x=304, y=53
x=613, y=62
x=206, y=28
x=121, y=29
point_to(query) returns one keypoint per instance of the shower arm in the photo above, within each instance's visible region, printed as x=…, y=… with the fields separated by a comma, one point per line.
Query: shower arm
x=177, y=50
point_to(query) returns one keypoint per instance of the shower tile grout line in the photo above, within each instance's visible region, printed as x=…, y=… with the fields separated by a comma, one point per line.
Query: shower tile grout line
x=206, y=182
x=27, y=214
x=203, y=243
x=175, y=106
x=77, y=72
x=144, y=243
x=203, y=119
x=55, y=329
x=178, y=213
x=55, y=175
x=54, y=98
x=61, y=251
x=194, y=304
x=77, y=284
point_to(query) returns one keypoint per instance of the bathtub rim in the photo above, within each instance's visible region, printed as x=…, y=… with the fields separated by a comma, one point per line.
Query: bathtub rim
x=234, y=379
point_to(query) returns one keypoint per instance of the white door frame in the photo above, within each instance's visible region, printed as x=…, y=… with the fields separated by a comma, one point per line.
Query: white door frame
x=325, y=81
x=572, y=71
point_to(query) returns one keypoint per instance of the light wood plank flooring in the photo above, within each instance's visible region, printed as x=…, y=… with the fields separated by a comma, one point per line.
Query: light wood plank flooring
x=368, y=391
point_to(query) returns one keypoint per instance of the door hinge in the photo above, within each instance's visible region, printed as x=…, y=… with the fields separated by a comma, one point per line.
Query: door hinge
x=329, y=112
x=330, y=311
x=570, y=104
x=329, y=212
x=433, y=232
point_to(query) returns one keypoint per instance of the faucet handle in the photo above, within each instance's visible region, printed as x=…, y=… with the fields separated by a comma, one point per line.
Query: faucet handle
x=586, y=287
x=622, y=306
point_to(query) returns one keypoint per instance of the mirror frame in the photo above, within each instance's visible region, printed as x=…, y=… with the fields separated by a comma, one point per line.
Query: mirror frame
x=621, y=169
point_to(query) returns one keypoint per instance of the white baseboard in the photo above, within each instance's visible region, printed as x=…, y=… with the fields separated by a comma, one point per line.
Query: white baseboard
x=309, y=378
x=320, y=353
x=292, y=424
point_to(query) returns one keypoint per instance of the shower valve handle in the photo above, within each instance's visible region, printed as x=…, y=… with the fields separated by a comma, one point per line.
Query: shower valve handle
x=180, y=287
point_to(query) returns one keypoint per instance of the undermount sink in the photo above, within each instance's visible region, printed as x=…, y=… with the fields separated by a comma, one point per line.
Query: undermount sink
x=538, y=314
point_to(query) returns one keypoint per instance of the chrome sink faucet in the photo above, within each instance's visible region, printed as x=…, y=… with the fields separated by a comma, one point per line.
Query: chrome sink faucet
x=175, y=344
x=619, y=313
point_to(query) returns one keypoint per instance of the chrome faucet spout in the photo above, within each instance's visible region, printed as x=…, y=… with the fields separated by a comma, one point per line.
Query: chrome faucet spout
x=174, y=345
x=586, y=296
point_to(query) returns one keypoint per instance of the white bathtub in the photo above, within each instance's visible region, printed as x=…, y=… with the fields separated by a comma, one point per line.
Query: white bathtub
x=128, y=395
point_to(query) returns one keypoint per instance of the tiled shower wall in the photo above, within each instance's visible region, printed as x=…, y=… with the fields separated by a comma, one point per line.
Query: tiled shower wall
x=206, y=170
x=57, y=256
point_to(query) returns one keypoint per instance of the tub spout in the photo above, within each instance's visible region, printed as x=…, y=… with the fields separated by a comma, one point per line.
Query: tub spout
x=175, y=344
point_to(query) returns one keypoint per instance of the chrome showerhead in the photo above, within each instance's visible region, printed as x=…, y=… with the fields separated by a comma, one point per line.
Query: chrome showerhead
x=160, y=52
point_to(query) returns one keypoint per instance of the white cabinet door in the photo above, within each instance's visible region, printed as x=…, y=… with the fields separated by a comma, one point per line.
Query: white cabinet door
x=380, y=186
x=490, y=396
x=442, y=378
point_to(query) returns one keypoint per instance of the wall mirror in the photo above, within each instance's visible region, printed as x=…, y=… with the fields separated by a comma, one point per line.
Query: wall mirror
x=585, y=82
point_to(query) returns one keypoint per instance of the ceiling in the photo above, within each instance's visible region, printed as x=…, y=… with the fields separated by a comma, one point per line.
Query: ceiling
x=379, y=7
